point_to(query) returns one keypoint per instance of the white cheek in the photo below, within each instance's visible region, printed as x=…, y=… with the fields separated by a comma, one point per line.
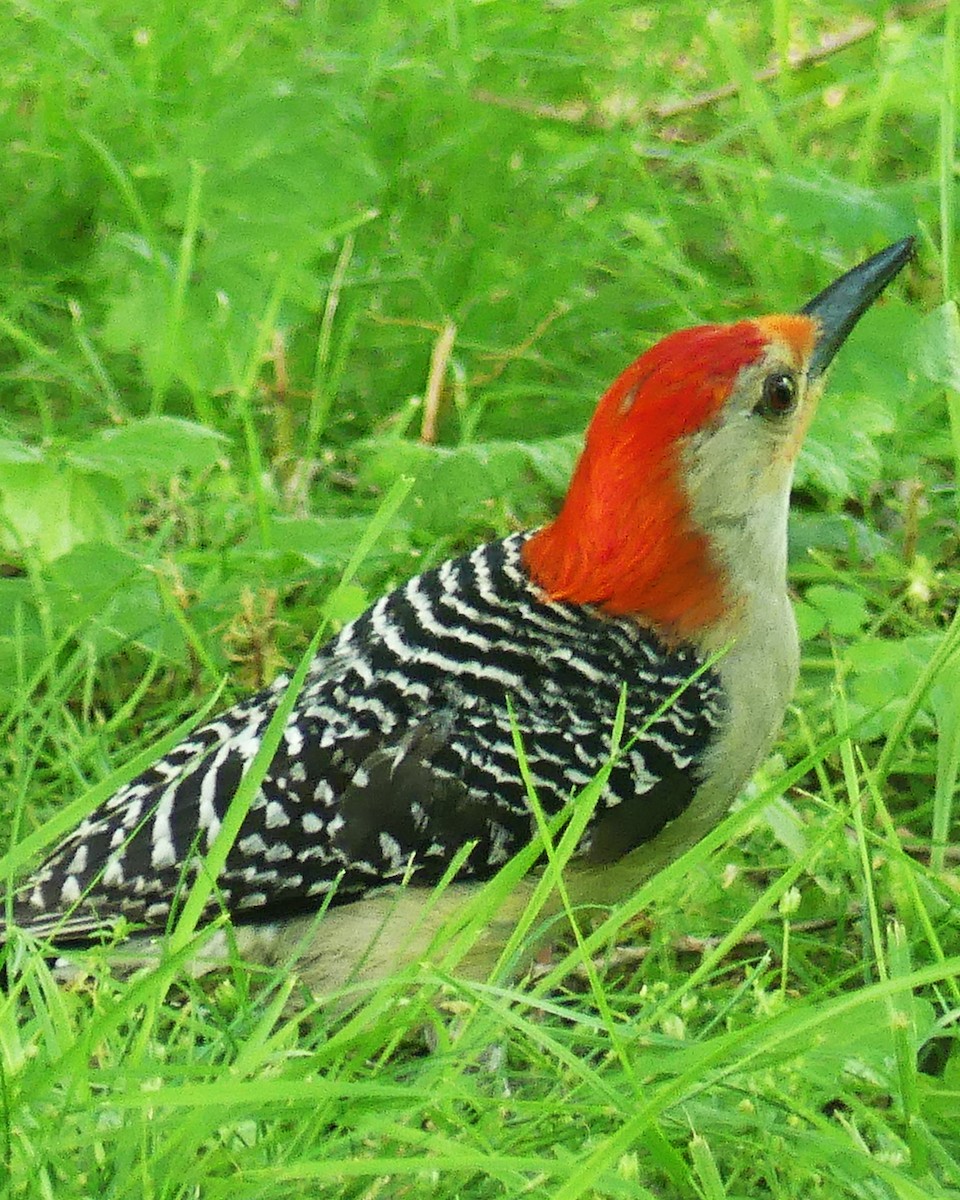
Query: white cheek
x=725, y=473
x=739, y=490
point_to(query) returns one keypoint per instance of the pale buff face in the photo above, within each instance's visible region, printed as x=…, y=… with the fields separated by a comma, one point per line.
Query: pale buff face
x=739, y=468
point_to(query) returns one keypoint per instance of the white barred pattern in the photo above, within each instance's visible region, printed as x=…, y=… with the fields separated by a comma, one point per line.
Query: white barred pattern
x=398, y=752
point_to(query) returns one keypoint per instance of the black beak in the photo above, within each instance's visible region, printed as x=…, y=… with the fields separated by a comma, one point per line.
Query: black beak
x=840, y=306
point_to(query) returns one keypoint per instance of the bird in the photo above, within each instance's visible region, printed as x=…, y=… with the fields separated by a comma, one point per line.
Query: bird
x=657, y=596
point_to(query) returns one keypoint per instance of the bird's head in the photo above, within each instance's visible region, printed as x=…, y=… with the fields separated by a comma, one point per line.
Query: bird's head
x=678, y=505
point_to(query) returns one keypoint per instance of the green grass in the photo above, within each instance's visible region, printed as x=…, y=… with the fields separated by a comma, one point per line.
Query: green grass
x=242, y=243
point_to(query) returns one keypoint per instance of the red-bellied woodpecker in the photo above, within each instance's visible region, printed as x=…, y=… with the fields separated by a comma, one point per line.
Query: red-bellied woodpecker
x=670, y=548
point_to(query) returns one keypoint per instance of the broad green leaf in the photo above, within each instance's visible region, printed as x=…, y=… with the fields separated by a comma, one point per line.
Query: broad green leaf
x=938, y=346
x=810, y=620
x=327, y=542
x=50, y=507
x=112, y=599
x=151, y=447
x=882, y=674
x=473, y=484
x=845, y=610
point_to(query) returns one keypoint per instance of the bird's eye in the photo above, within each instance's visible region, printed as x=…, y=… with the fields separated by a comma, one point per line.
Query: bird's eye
x=779, y=395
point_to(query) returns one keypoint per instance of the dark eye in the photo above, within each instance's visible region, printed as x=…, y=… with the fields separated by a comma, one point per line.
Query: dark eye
x=779, y=395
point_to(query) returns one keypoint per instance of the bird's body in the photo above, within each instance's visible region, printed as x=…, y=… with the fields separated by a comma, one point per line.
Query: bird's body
x=400, y=751
x=660, y=588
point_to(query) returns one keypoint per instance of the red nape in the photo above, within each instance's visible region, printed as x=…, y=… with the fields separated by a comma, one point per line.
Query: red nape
x=624, y=540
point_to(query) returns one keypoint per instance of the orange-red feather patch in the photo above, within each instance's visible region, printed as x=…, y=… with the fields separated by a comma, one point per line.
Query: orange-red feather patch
x=625, y=541
x=793, y=330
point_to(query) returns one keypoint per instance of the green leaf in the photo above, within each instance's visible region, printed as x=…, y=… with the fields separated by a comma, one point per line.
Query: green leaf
x=465, y=486
x=22, y=641
x=86, y=578
x=867, y=1055
x=328, y=542
x=868, y=392
x=839, y=532
x=938, y=346
x=283, y=168
x=19, y=658
x=19, y=452
x=883, y=672
x=151, y=447
x=50, y=508
x=105, y=591
x=844, y=610
x=553, y=460
x=810, y=621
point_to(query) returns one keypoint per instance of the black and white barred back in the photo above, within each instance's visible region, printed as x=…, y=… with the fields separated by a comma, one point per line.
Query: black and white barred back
x=398, y=752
